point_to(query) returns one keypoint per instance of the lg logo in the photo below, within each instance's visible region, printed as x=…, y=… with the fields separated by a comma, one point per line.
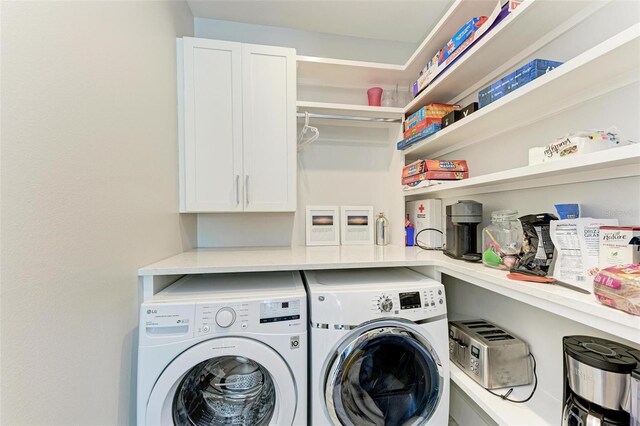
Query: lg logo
x=152, y=311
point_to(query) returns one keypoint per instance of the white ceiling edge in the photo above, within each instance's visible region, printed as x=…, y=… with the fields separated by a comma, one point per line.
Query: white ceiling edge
x=390, y=20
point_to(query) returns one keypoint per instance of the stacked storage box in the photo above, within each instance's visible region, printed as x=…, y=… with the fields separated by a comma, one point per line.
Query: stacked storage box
x=424, y=172
x=424, y=122
x=515, y=80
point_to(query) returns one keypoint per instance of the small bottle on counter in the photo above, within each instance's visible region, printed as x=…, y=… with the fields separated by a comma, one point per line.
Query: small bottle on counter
x=382, y=230
x=409, y=233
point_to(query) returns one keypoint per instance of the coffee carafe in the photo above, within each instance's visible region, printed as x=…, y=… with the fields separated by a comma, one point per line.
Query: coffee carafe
x=597, y=376
x=463, y=219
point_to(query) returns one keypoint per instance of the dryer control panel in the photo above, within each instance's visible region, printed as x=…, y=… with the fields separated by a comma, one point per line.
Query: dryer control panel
x=414, y=302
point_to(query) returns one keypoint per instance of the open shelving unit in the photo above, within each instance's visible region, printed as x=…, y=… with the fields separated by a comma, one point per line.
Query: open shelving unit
x=512, y=38
x=616, y=162
x=606, y=67
x=503, y=43
x=589, y=76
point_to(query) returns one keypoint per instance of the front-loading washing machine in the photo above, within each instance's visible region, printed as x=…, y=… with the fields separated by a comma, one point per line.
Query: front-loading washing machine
x=379, y=348
x=224, y=349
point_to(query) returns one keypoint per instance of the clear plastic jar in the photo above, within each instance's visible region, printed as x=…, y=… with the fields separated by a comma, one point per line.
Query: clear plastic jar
x=502, y=240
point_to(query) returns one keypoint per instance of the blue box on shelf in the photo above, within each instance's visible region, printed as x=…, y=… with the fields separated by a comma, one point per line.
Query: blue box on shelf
x=515, y=80
x=422, y=134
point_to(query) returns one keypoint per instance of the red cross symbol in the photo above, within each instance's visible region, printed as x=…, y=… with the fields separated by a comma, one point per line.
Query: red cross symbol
x=421, y=208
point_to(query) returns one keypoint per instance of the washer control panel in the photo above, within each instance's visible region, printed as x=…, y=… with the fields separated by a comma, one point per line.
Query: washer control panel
x=279, y=311
x=254, y=316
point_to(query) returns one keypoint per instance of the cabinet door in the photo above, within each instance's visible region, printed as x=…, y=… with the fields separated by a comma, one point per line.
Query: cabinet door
x=269, y=128
x=211, y=149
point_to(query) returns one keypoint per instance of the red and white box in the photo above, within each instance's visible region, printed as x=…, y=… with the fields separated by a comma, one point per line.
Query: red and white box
x=446, y=165
x=435, y=176
x=425, y=214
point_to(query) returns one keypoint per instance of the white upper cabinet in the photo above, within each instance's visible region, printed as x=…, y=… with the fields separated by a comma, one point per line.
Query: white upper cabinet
x=269, y=127
x=237, y=126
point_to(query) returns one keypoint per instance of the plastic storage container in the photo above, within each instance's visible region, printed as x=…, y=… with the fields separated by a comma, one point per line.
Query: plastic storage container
x=502, y=240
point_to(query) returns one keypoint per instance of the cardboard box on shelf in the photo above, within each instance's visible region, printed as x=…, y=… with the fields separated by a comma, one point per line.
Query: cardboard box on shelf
x=446, y=165
x=414, y=168
x=619, y=245
x=433, y=110
x=514, y=80
x=421, y=125
x=466, y=31
x=422, y=134
x=436, y=175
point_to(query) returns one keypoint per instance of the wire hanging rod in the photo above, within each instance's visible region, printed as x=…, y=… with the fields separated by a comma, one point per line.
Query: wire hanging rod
x=349, y=117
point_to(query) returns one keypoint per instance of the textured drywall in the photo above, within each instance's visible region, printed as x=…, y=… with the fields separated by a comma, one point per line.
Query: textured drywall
x=89, y=194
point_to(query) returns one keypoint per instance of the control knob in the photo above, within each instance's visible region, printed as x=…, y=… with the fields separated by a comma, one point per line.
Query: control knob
x=225, y=317
x=385, y=304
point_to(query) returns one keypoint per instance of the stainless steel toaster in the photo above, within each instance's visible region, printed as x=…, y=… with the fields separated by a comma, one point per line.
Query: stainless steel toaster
x=489, y=355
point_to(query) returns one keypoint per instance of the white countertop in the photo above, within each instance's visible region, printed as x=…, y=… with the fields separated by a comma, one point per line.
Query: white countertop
x=251, y=259
x=579, y=307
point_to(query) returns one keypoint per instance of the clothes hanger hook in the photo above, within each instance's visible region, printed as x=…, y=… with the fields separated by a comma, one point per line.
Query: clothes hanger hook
x=306, y=119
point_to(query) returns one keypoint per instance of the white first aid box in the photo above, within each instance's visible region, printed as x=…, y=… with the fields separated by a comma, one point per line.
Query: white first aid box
x=425, y=214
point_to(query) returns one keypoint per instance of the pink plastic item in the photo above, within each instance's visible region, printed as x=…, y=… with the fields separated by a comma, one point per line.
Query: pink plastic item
x=375, y=95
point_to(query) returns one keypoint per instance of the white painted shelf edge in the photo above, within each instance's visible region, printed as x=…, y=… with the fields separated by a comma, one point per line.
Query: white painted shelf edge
x=566, y=303
x=541, y=410
x=611, y=158
x=487, y=121
x=346, y=109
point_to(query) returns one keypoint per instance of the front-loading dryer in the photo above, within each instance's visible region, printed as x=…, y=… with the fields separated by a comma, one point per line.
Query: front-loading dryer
x=224, y=349
x=379, y=348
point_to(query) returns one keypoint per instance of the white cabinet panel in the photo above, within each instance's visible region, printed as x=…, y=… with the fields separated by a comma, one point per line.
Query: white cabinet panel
x=237, y=126
x=212, y=126
x=269, y=127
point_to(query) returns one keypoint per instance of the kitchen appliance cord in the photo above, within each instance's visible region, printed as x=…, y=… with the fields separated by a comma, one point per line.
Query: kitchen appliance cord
x=423, y=247
x=535, y=386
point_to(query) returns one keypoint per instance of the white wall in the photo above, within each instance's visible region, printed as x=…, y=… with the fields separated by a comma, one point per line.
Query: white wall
x=89, y=194
x=347, y=165
x=307, y=43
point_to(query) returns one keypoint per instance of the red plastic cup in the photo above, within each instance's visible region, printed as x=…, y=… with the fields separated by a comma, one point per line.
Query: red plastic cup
x=375, y=96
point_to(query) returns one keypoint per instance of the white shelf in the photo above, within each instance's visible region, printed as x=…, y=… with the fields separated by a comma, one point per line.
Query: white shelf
x=540, y=410
x=569, y=304
x=340, y=72
x=522, y=28
x=617, y=162
x=606, y=67
x=345, y=73
x=354, y=110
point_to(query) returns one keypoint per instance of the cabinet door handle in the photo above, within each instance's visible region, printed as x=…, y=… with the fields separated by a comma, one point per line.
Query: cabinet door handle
x=246, y=189
x=237, y=189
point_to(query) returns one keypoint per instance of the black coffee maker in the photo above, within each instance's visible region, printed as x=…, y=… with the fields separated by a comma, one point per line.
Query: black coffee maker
x=597, y=373
x=463, y=219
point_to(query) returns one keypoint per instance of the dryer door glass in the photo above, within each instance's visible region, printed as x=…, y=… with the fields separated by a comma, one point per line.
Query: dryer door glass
x=225, y=390
x=385, y=376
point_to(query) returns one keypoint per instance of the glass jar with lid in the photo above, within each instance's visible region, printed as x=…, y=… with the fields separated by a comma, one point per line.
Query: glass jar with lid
x=502, y=240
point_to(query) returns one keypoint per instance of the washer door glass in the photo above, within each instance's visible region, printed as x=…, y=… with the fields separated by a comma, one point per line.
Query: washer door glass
x=386, y=376
x=228, y=390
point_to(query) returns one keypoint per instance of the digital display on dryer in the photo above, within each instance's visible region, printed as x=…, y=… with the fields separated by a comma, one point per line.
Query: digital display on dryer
x=410, y=300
